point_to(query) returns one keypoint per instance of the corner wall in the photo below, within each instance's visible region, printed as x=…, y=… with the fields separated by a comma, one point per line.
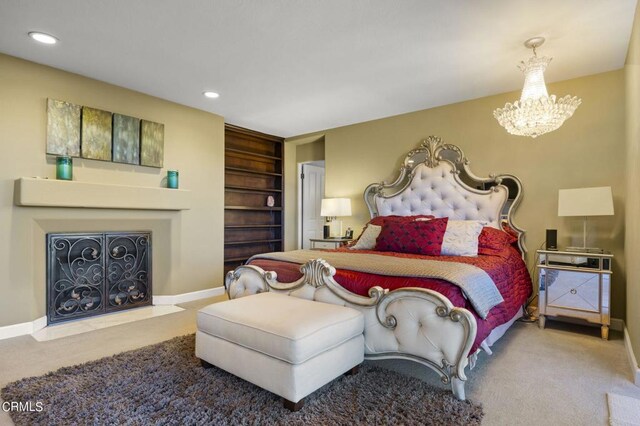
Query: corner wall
x=187, y=251
x=297, y=150
x=632, y=230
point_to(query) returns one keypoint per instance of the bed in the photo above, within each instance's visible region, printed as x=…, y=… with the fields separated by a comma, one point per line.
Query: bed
x=439, y=311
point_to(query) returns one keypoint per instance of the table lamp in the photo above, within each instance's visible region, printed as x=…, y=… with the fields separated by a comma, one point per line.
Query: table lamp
x=332, y=208
x=585, y=202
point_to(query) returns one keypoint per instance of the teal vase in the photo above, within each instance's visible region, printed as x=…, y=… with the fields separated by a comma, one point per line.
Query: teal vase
x=64, y=168
x=172, y=179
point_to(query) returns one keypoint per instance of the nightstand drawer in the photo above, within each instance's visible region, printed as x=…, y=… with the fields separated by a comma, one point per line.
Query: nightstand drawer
x=324, y=245
x=573, y=290
x=328, y=243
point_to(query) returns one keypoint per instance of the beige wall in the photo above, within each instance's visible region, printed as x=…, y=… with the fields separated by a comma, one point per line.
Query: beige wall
x=587, y=151
x=632, y=234
x=297, y=150
x=290, y=197
x=313, y=151
x=187, y=252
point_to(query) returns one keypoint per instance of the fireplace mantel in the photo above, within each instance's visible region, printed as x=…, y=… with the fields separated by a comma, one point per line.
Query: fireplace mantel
x=37, y=192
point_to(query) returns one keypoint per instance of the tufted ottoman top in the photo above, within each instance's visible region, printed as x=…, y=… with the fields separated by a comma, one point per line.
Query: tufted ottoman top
x=284, y=327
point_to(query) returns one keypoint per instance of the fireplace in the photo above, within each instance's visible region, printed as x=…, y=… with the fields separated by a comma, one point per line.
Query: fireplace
x=96, y=273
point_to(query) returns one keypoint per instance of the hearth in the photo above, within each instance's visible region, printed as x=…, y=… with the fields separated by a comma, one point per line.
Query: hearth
x=96, y=273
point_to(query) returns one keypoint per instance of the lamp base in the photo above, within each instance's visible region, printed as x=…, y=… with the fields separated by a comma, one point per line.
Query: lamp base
x=336, y=228
x=584, y=249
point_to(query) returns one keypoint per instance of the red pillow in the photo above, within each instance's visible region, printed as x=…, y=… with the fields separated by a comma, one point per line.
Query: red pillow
x=493, y=241
x=380, y=220
x=417, y=237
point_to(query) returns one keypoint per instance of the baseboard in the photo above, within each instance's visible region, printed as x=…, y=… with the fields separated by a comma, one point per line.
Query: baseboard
x=633, y=363
x=617, y=324
x=188, y=297
x=15, y=330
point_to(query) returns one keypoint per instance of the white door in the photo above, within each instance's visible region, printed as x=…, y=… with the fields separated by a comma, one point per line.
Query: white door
x=312, y=193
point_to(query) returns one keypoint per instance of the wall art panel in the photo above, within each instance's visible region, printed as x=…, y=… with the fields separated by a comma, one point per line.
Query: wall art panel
x=126, y=139
x=151, y=144
x=63, y=128
x=96, y=134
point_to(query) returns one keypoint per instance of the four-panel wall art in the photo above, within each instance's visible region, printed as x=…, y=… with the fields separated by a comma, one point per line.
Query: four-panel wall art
x=80, y=131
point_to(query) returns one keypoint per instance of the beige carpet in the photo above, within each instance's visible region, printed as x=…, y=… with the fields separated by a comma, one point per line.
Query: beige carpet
x=623, y=410
x=558, y=376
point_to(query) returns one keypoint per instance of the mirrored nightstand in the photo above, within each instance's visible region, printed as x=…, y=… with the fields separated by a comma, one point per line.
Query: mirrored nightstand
x=575, y=285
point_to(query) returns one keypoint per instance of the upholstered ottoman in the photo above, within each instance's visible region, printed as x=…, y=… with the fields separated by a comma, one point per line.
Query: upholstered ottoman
x=284, y=344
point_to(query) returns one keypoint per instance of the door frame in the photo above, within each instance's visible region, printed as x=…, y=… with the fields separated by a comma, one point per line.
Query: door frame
x=299, y=242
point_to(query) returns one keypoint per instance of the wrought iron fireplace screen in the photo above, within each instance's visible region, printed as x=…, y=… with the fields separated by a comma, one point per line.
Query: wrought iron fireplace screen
x=92, y=274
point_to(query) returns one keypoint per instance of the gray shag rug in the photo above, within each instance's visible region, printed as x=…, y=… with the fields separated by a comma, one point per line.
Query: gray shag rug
x=164, y=384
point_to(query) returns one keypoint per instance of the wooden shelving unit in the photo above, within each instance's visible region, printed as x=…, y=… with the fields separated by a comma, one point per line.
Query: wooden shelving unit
x=254, y=170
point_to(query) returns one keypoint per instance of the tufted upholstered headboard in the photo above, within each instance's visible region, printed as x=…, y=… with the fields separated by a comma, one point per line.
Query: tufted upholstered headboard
x=435, y=179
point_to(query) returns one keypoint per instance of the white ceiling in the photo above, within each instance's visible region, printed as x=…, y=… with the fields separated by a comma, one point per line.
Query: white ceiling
x=289, y=67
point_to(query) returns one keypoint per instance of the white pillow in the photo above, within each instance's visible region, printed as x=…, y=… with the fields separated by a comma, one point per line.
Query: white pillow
x=368, y=238
x=461, y=238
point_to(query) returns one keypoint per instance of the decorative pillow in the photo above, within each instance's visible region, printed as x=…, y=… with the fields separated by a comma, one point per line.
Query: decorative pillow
x=367, y=240
x=461, y=238
x=417, y=237
x=380, y=220
x=494, y=241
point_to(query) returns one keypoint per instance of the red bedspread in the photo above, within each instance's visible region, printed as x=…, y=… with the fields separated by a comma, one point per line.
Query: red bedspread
x=509, y=272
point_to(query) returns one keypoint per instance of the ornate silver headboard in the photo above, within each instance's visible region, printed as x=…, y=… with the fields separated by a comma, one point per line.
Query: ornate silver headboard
x=435, y=179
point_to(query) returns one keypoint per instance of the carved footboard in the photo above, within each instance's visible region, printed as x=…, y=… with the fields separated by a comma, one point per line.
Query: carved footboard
x=410, y=323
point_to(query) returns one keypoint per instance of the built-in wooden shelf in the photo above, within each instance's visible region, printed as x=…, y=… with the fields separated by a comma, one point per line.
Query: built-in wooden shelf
x=235, y=243
x=37, y=192
x=249, y=190
x=236, y=259
x=253, y=172
x=275, y=209
x=253, y=154
x=254, y=168
x=251, y=226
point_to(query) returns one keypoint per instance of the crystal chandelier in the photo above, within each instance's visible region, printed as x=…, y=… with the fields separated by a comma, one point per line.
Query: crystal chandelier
x=536, y=113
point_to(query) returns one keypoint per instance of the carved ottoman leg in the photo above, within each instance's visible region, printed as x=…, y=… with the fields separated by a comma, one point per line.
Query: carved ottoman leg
x=457, y=387
x=205, y=364
x=353, y=371
x=541, y=321
x=293, y=406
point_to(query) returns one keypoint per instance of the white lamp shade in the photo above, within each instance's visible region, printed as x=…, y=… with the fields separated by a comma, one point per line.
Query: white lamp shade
x=335, y=207
x=585, y=202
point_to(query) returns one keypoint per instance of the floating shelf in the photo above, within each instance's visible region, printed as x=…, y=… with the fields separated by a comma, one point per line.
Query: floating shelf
x=35, y=192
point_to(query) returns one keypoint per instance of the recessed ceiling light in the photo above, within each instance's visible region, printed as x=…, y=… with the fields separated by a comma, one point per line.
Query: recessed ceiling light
x=211, y=95
x=43, y=38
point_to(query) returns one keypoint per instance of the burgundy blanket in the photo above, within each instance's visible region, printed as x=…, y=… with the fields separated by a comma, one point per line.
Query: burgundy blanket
x=508, y=271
